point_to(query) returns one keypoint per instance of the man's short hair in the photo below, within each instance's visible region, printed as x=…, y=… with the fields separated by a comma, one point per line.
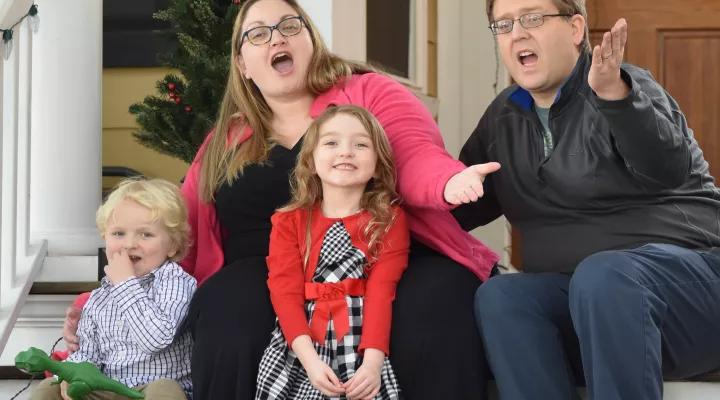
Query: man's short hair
x=571, y=7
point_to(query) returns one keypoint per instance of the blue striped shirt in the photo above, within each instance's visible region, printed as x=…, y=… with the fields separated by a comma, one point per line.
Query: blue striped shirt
x=129, y=330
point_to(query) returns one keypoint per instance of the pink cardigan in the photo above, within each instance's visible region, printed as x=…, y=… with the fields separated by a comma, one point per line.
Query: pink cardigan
x=423, y=165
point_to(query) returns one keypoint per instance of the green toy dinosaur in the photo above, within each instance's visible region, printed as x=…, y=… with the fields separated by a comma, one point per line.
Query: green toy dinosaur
x=83, y=377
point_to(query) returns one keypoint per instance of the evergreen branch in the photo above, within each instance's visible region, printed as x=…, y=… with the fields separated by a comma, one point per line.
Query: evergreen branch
x=203, y=29
x=193, y=46
x=204, y=15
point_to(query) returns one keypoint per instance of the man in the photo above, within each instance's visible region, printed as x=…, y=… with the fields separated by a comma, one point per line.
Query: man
x=617, y=210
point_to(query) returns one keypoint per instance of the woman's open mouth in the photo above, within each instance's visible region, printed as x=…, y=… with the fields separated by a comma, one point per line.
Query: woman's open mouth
x=282, y=63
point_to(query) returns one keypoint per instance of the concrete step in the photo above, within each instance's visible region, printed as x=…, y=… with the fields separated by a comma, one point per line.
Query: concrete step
x=9, y=388
x=673, y=391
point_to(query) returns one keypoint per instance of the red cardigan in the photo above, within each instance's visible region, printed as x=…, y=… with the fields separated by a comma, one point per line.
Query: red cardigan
x=288, y=286
x=423, y=165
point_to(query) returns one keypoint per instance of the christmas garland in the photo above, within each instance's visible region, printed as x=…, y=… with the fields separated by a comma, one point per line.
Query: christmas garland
x=7, y=34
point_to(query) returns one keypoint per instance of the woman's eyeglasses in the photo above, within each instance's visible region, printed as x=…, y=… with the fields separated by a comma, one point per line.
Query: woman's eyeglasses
x=260, y=35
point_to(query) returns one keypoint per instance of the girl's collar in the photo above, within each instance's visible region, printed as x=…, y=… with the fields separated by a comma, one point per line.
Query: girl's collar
x=317, y=211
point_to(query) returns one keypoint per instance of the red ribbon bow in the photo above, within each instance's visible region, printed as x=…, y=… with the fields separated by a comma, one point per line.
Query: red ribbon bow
x=330, y=300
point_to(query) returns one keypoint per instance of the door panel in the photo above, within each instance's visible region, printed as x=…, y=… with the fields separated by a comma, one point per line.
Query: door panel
x=689, y=72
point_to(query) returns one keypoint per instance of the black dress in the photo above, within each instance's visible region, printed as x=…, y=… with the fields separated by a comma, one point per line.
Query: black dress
x=231, y=315
x=232, y=318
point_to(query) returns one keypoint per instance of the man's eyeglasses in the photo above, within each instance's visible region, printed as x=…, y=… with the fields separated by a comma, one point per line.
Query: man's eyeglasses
x=527, y=21
x=259, y=35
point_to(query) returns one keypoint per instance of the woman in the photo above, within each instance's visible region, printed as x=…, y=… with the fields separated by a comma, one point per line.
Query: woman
x=282, y=77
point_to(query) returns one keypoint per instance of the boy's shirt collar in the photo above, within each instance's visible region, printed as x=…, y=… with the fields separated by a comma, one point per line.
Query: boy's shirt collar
x=106, y=284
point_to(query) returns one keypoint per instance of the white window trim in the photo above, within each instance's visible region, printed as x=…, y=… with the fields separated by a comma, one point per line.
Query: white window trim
x=350, y=39
x=419, y=69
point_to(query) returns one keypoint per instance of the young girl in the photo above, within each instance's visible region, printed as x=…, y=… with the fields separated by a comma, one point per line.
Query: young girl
x=337, y=252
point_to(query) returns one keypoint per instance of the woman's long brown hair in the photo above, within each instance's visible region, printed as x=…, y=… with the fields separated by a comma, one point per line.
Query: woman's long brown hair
x=244, y=105
x=380, y=195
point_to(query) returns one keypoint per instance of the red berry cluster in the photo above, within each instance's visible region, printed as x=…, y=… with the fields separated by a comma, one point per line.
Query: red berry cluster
x=174, y=96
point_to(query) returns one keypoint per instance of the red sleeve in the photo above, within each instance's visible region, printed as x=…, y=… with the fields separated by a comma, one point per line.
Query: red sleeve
x=190, y=192
x=286, y=280
x=382, y=281
x=81, y=300
x=424, y=166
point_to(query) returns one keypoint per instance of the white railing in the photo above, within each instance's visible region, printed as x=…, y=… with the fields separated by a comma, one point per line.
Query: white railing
x=20, y=260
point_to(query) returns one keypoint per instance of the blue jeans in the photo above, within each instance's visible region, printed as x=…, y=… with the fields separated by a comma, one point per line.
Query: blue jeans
x=624, y=320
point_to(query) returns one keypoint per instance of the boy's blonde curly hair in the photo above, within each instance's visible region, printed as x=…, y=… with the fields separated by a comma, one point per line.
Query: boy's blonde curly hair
x=165, y=201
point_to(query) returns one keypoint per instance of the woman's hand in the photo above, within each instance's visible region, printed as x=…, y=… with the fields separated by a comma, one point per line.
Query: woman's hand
x=323, y=378
x=467, y=186
x=72, y=318
x=365, y=384
x=63, y=390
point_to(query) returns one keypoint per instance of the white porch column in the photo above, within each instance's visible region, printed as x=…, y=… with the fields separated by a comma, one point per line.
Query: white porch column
x=66, y=166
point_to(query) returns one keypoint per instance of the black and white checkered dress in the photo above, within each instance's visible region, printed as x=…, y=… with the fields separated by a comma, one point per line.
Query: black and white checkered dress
x=281, y=375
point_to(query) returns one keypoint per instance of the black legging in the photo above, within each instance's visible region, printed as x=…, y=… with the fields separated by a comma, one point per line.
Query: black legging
x=435, y=348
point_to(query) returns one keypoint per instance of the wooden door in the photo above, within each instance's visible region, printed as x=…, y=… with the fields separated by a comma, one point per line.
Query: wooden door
x=679, y=42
